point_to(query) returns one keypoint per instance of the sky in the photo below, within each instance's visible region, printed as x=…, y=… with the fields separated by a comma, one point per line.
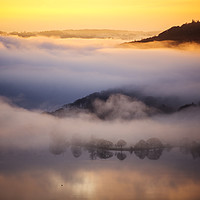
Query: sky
x=145, y=15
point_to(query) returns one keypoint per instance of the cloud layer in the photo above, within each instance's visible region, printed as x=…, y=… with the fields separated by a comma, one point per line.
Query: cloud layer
x=46, y=73
x=26, y=129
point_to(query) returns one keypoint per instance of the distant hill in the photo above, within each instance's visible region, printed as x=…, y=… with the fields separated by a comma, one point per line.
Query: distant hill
x=86, y=34
x=189, y=32
x=87, y=104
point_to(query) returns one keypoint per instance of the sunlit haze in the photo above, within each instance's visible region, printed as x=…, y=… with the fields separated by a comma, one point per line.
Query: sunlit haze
x=145, y=15
x=99, y=99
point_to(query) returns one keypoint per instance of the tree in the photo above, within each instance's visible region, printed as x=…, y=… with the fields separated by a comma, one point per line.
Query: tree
x=141, y=145
x=154, y=143
x=105, y=144
x=121, y=143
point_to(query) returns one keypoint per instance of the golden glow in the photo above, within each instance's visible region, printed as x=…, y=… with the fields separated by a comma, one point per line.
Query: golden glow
x=20, y=15
x=100, y=184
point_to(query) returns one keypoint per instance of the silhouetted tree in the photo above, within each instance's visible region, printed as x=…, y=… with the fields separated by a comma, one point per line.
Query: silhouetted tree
x=101, y=143
x=141, y=145
x=154, y=143
x=121, y=143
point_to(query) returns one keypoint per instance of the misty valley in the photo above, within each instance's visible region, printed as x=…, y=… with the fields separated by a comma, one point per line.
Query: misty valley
x=88, y=114
x=36, y=162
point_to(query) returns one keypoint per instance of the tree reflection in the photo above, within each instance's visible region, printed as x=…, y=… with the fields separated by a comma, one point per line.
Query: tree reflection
x=192, y=148
x=152, y=154
x=95, y=153
x=104, y=149
x=92, y=153
x=76, y=151
x=195, y=150
x=104, y=154
x=58, y=145
x=141, y=153
x=121, y=156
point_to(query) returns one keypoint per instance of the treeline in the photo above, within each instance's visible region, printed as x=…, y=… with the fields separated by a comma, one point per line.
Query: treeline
x=104, y=149
x=85, y=34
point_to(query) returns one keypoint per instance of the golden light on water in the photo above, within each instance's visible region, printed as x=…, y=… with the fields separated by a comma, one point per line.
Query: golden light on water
x=147, y=182
x=85, y=185
x=81, y=184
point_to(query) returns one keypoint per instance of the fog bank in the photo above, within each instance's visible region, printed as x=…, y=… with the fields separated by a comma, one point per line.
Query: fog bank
x=26, y=129
x=46, y=73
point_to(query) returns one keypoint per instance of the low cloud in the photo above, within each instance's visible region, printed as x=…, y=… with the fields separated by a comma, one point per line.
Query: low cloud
x=186, y=46
x=38, y=75
x=24, y=129
x=122, y=107
x=46, y=73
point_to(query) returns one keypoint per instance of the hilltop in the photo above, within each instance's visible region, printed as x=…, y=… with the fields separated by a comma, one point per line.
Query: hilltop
x=188, y=32
x=124, y=104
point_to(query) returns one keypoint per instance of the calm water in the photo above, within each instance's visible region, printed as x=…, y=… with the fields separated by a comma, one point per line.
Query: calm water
x=42, y=175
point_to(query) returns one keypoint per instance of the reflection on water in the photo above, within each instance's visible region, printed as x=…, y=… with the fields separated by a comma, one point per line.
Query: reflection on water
x=95, y=153
x=75, y=174
x=105, y=153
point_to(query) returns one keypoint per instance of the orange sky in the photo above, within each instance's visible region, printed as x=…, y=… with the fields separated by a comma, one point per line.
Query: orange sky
x=146, y=15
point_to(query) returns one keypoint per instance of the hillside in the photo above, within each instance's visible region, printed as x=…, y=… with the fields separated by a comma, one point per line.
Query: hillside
x=121, y=103
x=189, y=32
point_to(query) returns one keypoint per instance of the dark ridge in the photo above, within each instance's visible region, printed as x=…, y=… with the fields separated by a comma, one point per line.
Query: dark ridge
x=188, y=32
x=187, y=106
x=165, y=105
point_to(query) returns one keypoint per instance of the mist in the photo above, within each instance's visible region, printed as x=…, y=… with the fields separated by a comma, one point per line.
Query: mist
x=38, y=74
x=29, y=130
x=45, y=73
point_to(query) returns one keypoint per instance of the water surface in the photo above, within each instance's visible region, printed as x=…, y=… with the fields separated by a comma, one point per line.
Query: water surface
x=40, y=174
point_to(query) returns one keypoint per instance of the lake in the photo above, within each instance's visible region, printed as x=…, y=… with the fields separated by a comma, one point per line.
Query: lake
x=31, y=174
